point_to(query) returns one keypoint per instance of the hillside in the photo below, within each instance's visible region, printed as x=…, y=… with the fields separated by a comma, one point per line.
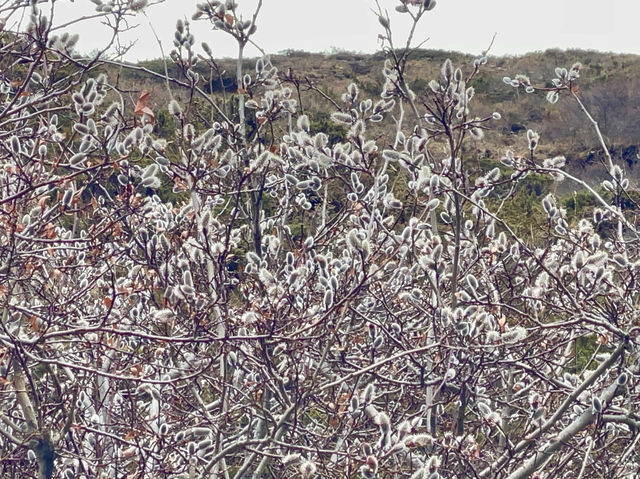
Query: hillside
x=607, y=86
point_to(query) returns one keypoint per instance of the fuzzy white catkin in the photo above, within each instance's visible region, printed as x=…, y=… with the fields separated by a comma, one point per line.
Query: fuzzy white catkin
x=174, y=108
x=307, y=469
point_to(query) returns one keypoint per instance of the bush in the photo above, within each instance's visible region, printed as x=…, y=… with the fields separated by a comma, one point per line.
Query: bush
x=312, y=299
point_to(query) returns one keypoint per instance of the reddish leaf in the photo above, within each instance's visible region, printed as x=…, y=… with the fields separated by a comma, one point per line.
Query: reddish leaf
x=141, y=107
x=34, y=324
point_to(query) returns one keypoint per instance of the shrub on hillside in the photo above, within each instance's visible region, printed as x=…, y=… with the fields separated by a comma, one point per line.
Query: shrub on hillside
x=252, y=326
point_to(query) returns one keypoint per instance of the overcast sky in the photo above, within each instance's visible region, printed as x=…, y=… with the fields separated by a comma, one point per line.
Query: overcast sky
x=463, y=25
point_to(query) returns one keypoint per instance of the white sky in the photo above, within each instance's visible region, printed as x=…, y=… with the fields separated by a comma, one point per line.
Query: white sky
x=463, y=25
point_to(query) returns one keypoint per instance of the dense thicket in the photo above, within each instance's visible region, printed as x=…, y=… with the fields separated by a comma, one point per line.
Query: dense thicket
x=230, y=290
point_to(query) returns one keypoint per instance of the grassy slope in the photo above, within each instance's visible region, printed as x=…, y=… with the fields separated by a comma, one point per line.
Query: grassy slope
x=607, y=85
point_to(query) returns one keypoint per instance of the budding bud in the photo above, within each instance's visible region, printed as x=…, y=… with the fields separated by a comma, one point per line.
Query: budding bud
x=307, y=469
x=372, y=463
x=384, y=21
x=622, y=379
x=596, y=405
